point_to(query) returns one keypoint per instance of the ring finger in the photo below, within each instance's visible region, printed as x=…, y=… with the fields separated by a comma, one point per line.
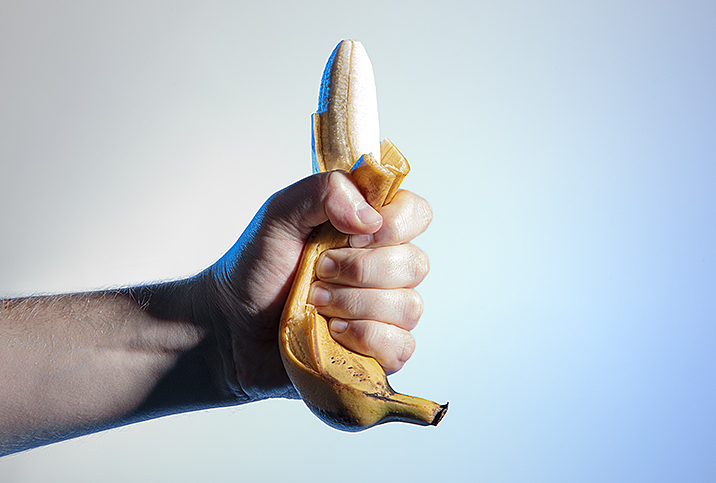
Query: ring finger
x=399, y=307
x=401, y=266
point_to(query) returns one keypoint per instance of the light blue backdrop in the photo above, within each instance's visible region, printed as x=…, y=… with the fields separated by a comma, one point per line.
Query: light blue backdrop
x=568, y=150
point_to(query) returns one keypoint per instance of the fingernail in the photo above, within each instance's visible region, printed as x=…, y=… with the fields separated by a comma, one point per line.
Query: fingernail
x=338, y=326
x=367, y=214
x=319, y=296
x=360, y=241
x=326, y=267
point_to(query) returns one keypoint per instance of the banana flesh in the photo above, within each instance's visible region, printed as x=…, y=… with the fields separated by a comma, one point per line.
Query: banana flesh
x=347, y=390
x=346, y=124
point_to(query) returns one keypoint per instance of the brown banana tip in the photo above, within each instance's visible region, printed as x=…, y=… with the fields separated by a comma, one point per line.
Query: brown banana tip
x=440, y=415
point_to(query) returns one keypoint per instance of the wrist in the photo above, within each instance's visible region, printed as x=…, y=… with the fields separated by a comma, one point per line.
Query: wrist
x=245, y=337
x=198, y=378
x=216, y=310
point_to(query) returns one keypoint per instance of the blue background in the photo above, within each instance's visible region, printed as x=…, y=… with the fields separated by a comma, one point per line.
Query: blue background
x=568, y=150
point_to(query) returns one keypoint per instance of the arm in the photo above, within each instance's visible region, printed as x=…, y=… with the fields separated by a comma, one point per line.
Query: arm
x=79, y=363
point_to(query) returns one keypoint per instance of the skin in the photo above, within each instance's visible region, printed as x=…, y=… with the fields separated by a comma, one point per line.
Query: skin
x=80, y=363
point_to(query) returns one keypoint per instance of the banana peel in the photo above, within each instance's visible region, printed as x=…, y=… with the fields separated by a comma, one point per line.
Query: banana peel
x=347, y=390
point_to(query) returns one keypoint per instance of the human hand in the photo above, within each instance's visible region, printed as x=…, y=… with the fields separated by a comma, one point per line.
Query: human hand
x=367, y=288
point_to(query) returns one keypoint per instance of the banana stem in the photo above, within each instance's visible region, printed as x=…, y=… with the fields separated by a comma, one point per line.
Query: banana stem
x=415, y=410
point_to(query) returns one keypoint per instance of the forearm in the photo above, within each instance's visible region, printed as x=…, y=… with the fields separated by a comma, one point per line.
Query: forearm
x=73, y=364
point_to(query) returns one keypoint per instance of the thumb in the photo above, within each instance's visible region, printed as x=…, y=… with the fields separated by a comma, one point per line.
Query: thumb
x=323, y=197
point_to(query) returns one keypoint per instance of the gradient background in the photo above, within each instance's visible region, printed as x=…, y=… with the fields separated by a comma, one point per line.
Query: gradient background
x=568, y=150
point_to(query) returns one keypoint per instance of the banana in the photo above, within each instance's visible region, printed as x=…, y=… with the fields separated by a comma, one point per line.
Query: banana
x=348, y=391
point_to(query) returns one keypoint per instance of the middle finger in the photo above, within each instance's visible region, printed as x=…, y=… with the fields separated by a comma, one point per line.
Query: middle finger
x=399, y=307
x=400, y=266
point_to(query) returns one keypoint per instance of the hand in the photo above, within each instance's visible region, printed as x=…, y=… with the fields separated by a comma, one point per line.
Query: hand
x=368, y=288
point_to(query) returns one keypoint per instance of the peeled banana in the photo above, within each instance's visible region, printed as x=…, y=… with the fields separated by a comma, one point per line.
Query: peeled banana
x=346, y=124
x=348, y=391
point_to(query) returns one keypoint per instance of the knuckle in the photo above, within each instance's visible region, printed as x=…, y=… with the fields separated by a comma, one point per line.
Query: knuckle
x=421, y=265
x=362, y=270
x=425, y=211
x=378, y=337
x=394, y=227
x=407, y=349
x=356, y=269
x=401, y=227
x=369, y=338
x=340, y=197
x=408, y=219
x=382, y=340
x=355, y=337
x=413, y=309
x=335, y=180
x=351, y=302
x=390, y=345
x=331, y=185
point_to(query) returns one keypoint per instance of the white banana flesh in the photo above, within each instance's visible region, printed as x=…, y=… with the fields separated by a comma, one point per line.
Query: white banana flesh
x=348, y=391
x=347, y=117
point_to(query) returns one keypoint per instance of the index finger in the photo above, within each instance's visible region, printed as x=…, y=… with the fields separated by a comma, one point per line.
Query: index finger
x=406, y=217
